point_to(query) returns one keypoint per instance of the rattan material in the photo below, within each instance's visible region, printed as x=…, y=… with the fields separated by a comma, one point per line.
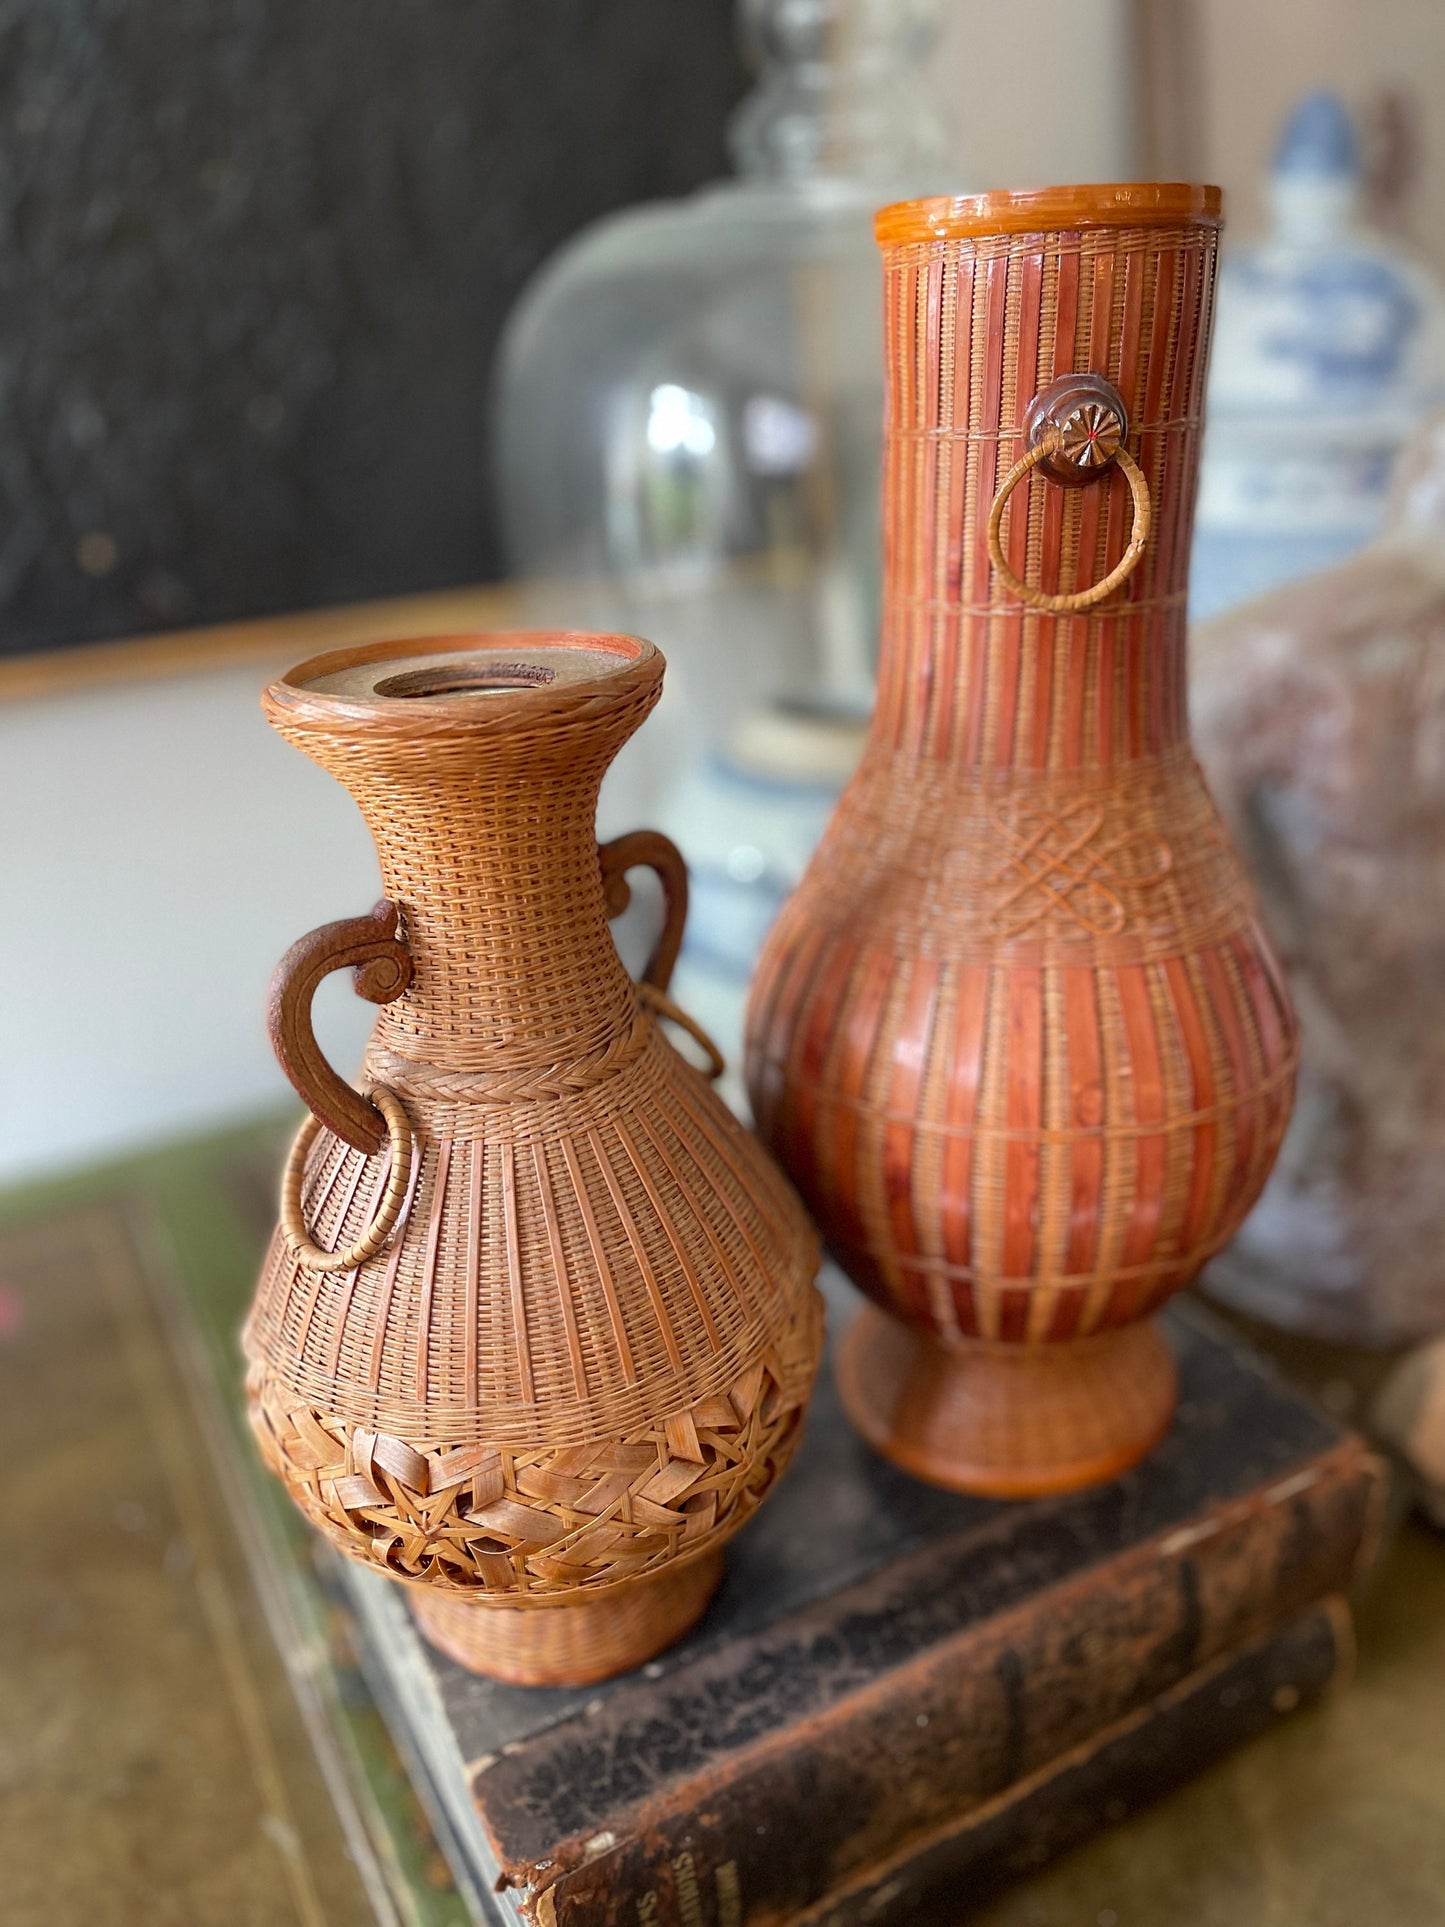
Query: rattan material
x=1017, y=1037
x=375, y=1236
x=583, y=1357
x=581, y=1643
x=1074, y=601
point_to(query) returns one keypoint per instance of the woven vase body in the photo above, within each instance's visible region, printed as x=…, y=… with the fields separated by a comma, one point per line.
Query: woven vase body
x=1018, y=1038
x=583, y=1355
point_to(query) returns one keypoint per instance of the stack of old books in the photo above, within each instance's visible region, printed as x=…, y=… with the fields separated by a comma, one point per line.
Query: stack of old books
x=901, y=1699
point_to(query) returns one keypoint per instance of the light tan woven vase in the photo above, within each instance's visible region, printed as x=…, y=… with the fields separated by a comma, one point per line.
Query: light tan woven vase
x=1018, y=1038
x=538, y=1326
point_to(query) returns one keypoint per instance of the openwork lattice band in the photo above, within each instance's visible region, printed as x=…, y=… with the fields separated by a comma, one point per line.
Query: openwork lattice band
x=532, y=1523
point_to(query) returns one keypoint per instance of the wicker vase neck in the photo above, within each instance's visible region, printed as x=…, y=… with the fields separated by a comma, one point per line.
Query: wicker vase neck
x=482, y=805
x=977, y=324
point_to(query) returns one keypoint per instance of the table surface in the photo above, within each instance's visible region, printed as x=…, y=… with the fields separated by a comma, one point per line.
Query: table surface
x=156, y=1765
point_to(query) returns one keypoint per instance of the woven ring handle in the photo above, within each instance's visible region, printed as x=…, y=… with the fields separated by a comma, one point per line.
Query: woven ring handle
x=651, y=850
x=299, y=1241
x=1075, y=600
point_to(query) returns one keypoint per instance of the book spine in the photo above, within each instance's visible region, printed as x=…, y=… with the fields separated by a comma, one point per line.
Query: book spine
x=782, y=1803
x=1153, y=1750
x=1133, y=1763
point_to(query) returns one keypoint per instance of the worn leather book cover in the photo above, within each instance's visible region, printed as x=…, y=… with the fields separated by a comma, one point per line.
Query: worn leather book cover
x=901, y=1697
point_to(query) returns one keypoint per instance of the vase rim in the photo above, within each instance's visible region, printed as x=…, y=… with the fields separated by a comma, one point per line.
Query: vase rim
x=954, y=217
x=458, y=681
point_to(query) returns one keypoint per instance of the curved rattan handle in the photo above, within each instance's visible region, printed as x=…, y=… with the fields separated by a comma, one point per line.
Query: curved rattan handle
x=649, y=850
x=383, y=966
x=1075, y=600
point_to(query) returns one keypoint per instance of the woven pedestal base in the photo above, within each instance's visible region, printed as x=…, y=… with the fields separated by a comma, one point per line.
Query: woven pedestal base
x=1007, y=1421
x=569, y=1645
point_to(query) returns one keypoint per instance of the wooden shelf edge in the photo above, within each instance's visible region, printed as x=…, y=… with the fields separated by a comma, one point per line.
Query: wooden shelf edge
x=265, y=640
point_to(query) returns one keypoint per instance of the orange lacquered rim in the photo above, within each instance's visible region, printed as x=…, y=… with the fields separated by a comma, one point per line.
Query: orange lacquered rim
x=954, y=217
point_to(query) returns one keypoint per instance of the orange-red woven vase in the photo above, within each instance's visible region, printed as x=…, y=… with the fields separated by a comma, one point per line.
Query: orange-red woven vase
x=1017, y=1037
x=538, y=1326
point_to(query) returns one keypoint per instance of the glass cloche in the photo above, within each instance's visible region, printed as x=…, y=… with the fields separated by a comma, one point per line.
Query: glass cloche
x=689, y=394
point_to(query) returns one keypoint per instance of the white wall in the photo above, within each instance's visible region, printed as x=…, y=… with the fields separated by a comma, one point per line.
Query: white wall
x=1042, y=92
x=163, y=848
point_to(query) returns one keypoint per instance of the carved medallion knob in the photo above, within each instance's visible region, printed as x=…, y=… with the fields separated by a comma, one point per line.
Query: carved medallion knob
x=1087, y=415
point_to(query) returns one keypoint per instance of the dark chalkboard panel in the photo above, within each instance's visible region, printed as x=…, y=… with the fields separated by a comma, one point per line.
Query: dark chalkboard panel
x=254, y=259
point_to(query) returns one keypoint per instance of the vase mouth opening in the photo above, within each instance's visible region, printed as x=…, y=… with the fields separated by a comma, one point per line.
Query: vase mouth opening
x=468, y=677
x=478, y=675
x=955, y=217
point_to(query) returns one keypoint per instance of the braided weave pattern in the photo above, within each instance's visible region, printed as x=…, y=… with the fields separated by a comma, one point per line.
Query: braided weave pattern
x=529, y=1084
x=526, y=1525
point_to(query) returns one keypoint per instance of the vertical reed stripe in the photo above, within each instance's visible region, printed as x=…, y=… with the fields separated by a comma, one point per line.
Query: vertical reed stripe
x=780, y=1038
x=813, y=1046
x=560, y=1276
x=1055, y=1162
x=1116, y=1178
x=958, y=378
x=1150, y=1160
x=736, y=1211
x=1005, y=693
x=476, y=1223
x=316, y=1204
x=1132, y=633
x=1025, y=1069
x=912, y=1048
x=382, y=1313
x=665, y=1220
x=689, y=1197
x=639, y=1249
x=989, y=1159
x=990, y=421
x=1182, y=462
x=359, y=1164
x=348, y=1284
x=429, y=1265
x=317, y=1278
x=1074, y=635
x=515, y=1292
x=1093, y=507
x=1197, y=1212
x=312, y=1283
x=1175, y=1141
x=1255, y=1074
x=1086, y=1114
x=965, y=1077
x=1226, y=1017
x=1273, y=1027
x=860, y=1019
x=600, y=1264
